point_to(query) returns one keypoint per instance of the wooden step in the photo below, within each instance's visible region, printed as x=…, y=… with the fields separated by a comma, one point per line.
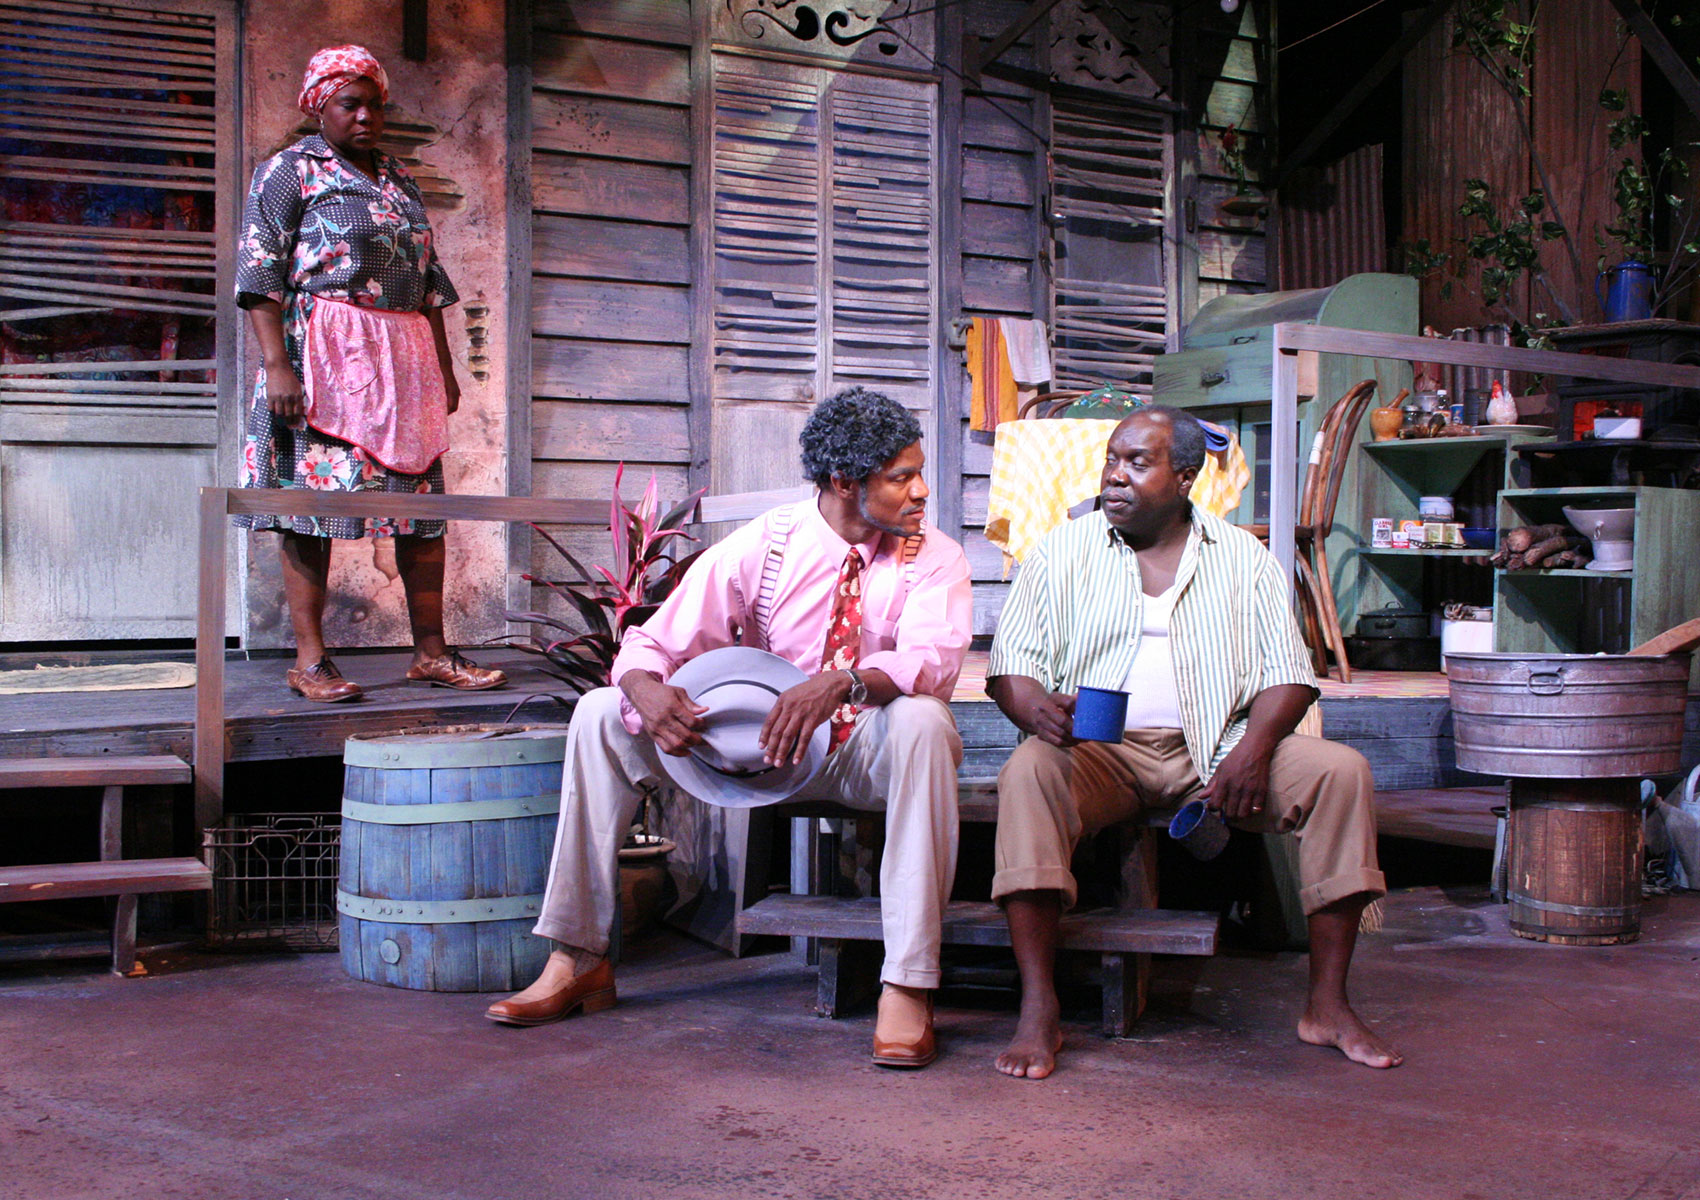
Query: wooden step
x=966, y=923
x=104, y=770
x=117, y=877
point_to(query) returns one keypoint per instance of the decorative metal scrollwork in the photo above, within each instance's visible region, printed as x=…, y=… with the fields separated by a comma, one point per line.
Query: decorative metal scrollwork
x=803, y=23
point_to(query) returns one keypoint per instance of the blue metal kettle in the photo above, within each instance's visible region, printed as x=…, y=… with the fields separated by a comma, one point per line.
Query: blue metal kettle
x=1628, y=291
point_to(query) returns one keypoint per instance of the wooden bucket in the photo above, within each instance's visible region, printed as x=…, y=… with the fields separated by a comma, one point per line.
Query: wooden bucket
x=1575, y=872
x=446, y=838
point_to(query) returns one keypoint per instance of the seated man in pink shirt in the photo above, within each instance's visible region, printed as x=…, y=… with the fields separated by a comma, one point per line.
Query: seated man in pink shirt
x=894, y=743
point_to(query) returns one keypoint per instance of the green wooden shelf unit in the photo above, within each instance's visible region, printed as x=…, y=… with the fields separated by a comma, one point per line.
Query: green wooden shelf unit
x=1392, y=479
x=1584, y=612
x=1420, y=552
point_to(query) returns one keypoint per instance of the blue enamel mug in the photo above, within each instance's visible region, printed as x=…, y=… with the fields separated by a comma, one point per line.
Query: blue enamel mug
x=1100, y=715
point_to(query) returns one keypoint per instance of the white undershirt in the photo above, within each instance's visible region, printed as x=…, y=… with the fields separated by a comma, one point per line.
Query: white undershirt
x=1152, y=700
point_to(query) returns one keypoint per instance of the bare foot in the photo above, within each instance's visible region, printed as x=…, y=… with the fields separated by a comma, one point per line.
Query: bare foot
x=1340, y=1026
x=1032, y=1053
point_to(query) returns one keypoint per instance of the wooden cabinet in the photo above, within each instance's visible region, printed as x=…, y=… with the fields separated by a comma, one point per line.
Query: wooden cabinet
x=1583, y=612
x=1225, y=370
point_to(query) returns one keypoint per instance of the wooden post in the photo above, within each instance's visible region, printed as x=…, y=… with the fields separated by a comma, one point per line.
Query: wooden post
x=1126, y=978
x=123, y=906
x=209, y=661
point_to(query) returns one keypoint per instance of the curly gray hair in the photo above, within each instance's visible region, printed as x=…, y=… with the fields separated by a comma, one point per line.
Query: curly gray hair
x=854, y=433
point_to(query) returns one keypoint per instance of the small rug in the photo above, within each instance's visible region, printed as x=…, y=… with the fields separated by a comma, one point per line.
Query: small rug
x=113, y=677
x=971, y=684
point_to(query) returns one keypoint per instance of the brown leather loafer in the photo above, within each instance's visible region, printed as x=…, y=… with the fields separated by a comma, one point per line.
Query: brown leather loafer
x=322, y=682
x=908, y=1055
x=590, y=993
x=451, y=670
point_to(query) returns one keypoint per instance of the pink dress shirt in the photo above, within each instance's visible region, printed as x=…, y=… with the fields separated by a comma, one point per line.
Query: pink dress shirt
x=917, y=635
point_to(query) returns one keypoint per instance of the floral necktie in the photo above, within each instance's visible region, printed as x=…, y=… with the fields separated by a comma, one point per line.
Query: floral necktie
x=844, y=639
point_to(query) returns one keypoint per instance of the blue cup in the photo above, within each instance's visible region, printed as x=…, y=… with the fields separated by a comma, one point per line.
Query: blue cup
x=1201, y=831
x=1100, y=715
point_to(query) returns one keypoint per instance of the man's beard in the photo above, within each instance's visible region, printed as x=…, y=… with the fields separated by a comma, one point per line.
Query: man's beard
x=862, y=511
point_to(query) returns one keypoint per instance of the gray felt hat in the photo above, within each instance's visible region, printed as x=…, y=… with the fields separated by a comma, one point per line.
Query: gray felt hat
x=738, y=685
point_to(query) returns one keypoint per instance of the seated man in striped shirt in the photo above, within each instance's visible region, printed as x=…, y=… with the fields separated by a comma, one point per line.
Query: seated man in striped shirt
x=1191, y=617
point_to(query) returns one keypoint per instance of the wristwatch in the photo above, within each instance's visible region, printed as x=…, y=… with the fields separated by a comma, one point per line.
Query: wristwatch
x=858, y=688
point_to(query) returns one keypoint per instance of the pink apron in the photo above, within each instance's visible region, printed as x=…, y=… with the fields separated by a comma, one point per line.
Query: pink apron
x=371, y=378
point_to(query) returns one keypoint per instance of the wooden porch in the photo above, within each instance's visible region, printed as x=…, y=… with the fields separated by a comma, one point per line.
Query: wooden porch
x=1399, y=720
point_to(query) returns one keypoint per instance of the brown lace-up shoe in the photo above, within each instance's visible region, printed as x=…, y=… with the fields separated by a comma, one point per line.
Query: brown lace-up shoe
x=322, y=682
x=451, y=670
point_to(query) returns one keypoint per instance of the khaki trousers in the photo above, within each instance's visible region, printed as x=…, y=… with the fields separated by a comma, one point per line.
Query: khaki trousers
x=900, y=758
x=1320, y=792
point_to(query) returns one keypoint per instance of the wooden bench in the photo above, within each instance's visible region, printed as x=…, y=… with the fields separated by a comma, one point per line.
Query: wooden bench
x=113, y=875
x=1124, y=938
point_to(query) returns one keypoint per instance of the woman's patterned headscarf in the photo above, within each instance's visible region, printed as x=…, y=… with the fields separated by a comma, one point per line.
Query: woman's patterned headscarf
x=334, y=68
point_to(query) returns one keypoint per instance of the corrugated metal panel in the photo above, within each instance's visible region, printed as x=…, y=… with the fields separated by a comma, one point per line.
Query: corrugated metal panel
x=1461, y=381
x=1344, y=230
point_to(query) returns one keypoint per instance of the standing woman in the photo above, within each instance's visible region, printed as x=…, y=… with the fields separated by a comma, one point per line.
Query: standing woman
x=345, y=295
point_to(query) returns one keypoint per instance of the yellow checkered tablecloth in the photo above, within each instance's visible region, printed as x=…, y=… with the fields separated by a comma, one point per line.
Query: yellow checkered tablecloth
x=1040, y=469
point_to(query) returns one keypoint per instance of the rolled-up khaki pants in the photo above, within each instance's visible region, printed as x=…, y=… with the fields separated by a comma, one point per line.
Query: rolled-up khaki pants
x=900, y=758
x=1320, y=792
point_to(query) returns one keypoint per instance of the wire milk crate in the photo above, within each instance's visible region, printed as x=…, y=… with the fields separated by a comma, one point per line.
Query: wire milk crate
x=274, y=880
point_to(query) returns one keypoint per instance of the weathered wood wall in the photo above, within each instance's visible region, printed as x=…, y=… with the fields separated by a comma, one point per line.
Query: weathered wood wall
x=1458, y=125
x=1232, y=80
x=626, y=364
x=1004, y=267
x=611, y=265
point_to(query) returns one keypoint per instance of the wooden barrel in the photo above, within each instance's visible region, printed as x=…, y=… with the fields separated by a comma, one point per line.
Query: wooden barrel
x=1575, y=872
x=446, y=838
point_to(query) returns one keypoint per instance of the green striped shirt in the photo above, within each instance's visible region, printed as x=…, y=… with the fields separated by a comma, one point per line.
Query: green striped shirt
x=1075, y=615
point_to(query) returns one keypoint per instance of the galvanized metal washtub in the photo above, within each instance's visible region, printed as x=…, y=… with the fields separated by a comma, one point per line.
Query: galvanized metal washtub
x=1575, y=732
x=1568, y=716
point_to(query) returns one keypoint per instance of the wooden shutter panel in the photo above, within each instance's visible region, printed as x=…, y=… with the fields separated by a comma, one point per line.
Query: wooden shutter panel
x=1111, y=163
x=824, y=230
x=767, y=251
x=881, y=265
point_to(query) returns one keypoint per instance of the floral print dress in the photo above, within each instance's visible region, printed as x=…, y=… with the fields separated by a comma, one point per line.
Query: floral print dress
x=316, y=227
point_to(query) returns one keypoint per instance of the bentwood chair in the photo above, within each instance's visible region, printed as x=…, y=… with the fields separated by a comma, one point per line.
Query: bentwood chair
x=1318, y=610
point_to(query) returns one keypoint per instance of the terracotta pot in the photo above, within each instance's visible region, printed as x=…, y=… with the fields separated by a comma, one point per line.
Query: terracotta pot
x=644, y=885
x=1385, y=422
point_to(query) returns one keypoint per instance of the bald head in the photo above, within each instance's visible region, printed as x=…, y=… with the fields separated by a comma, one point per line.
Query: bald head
x=1144, y=487
x=1186, y=434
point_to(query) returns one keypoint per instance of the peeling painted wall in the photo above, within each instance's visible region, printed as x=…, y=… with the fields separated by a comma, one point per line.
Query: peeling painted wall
x=448, y=115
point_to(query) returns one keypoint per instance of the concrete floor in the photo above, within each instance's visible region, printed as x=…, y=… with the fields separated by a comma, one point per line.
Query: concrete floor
x=1533, y=1071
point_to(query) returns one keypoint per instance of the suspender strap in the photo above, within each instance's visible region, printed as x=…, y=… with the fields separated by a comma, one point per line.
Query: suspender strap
x=778, y=534
x=910, y=552
x=779, y=523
